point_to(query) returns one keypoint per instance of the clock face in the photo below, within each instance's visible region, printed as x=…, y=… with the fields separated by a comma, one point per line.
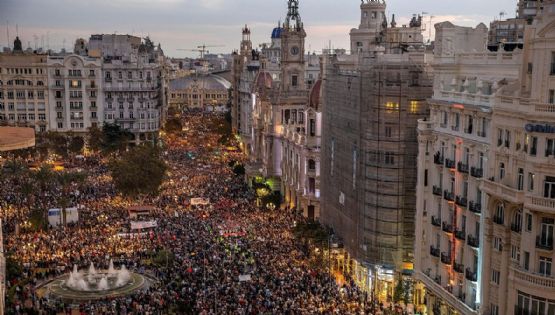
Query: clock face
x=295, y=50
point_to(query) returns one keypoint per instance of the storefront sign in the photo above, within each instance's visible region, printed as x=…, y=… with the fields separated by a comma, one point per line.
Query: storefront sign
x=540, y=128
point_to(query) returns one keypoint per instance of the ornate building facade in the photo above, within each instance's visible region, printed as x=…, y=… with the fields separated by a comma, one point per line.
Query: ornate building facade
x=24, y=91
x=485, y=204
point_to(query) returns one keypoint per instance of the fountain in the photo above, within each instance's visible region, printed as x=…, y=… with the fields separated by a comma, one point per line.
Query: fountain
x=92, y=283
x=101, y=280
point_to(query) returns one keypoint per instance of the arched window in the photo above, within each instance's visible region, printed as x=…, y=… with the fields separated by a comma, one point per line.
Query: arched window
x=499, y=214
x=311, y=165
x=516, y=225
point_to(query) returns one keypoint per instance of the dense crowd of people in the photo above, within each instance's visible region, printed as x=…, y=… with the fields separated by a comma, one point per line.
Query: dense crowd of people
x=228, y=256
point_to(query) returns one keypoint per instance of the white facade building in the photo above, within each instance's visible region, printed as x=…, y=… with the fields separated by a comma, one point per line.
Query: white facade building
x=75, y=96
x=486, y=207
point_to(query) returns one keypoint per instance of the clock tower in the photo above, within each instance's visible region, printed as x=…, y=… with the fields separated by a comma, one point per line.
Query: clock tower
x=292, y=50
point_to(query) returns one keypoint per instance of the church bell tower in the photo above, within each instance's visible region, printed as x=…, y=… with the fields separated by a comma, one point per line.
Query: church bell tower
x=292, y=50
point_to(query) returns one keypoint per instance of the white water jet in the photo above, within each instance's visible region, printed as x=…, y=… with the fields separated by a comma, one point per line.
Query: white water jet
x=123, y=276
x=82, y=285
x=111, y=269
x=92, y=271
x=103, y=284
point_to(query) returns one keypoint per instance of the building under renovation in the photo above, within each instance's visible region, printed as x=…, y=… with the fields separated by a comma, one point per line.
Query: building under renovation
x=372, y=101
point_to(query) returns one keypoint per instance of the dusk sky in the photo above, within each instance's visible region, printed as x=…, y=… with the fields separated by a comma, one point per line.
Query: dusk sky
x=189, y=23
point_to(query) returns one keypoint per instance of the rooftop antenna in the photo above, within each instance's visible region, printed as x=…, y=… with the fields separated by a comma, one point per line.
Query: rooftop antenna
x=17, y=30
x=48, y=40
x=36, y=39
x=502, y=14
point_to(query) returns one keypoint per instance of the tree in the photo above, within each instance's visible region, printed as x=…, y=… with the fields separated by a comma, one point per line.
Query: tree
x=173, y=125
x=94, y=139
x=76, y=145
x=139, y=171
x=399, y=293
x=114, y=138
x=58, y=143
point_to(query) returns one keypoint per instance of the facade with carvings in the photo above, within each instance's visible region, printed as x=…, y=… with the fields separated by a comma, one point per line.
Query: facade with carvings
x=485, y=203
x=75, y=96
x=24, y=91
x=454, y=145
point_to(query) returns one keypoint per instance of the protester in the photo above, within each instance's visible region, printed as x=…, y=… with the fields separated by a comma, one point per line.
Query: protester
x=212, y=246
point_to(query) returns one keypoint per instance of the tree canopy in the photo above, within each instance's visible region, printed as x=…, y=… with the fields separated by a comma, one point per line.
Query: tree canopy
x=139, y=171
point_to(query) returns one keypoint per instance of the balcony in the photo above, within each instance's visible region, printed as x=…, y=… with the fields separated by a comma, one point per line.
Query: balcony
x=107, y=79
x=546, y=205
x=503, y=191
x=446, y=258
x=471, y=275
x=462, y=167
x=498, y=220
x=449, y=196
x=461, y=201
x=544, y=243
x=434, y=251
x=534, y=279
x=436, y=221
x=436, y=191
x=477, y=172
x=438, y=159
x=460, y=235
x=450, y=163
x=459, y=268
x=473, y=241
x=475, y=207
x=448, y=228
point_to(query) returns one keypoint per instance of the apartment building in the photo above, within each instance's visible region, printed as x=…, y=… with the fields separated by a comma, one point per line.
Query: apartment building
x=454, y=146
x=485, y=205
x=24, y=93
x=75, y=96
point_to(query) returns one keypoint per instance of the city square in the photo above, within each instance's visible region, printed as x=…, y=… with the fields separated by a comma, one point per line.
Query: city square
x=278, y=157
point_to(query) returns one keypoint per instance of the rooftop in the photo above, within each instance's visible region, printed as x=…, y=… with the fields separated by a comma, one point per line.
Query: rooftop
x=15, y=138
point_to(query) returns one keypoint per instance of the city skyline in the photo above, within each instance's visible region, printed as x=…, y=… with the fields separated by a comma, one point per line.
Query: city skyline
x=186, y=24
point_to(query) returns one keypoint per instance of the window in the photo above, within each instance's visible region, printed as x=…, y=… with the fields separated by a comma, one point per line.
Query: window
x=545, y=266
x=534, y=146
x=531, y=178
x=494, y=310
x=549, y=187
x=546, y=235
x=517, y=221
x=528, y=222
x=549, y=147
x=294, y=80
x=312, y=127
x=552, y=63
x=515, y=253
x=498, y=244
x=501, y=171
x=520, y=183
x=388, y=132
x=499, y=137
x=551, y=96
x=59, y=115
x=495, y=275
x=507, y=138
x=389, y=158
x=500, y=213
x=425, y=178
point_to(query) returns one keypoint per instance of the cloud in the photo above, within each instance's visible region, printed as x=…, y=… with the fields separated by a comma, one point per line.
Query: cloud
x=188, y=23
